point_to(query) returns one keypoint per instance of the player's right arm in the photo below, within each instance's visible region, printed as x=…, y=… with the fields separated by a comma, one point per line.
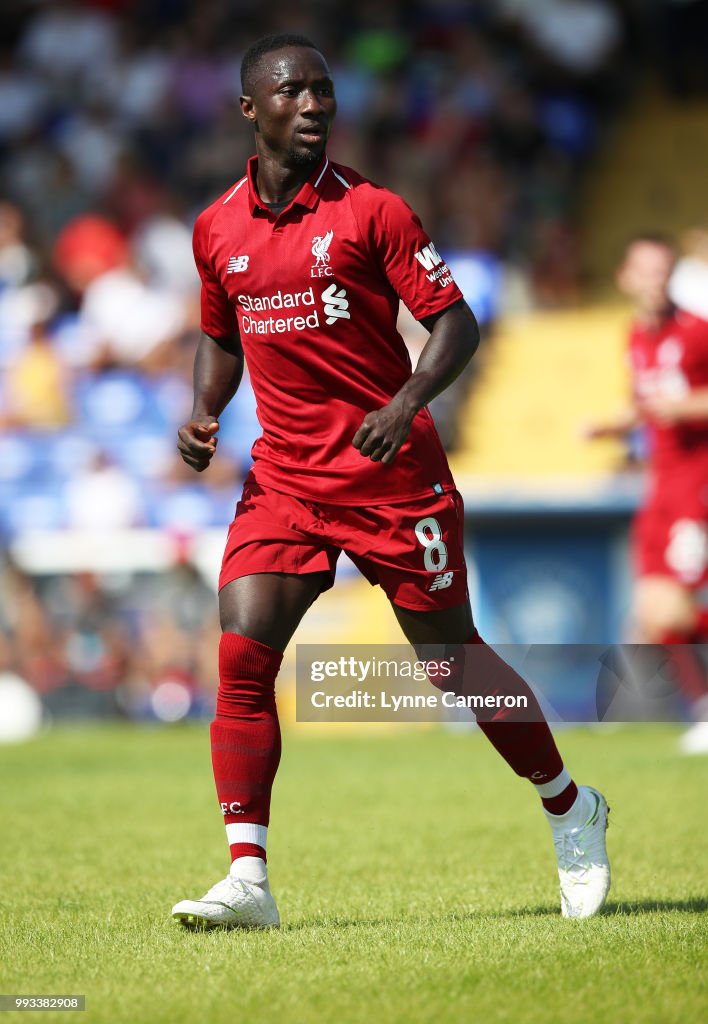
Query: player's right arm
x=218, y=364
x=218, y=367
x=622, y=424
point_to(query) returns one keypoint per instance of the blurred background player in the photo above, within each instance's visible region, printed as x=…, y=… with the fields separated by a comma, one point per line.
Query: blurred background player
x=668, y=357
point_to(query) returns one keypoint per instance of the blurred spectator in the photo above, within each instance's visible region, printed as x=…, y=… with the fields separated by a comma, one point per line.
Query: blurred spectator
x=69, y=201
x=21, y=308
x=92, y=142
x=573, y=38
x=92, y=645
x=96, y=647
x=16, y=259
x=132, y=322
x=163, y=246
x=688, y=288
x=200, y=86
x=103, y=497
x=68, y=39
x=33, y=636
x=88, y=247
x=23, y=100
x=37, y=385
x=136, y=83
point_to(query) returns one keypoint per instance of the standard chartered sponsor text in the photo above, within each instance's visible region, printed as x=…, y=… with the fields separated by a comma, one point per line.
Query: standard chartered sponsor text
x=278, y=301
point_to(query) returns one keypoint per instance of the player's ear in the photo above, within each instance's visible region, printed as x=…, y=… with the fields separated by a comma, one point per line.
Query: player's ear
x=248, y=109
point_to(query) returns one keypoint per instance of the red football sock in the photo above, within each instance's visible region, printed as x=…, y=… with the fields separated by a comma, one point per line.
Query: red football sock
x=688, y=669
x=701, y=627
x=245, y=741
x=520, y=735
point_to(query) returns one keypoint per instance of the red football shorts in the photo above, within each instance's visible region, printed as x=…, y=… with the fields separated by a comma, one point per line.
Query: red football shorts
x=670, y=533
x=414, y=551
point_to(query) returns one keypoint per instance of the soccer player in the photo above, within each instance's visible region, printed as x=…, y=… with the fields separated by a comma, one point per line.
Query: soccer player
x=303, y=263
x=668, y=354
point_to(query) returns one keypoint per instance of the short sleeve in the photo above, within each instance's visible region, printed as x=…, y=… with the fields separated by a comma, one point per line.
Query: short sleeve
x=218, y=316
x=407, y=256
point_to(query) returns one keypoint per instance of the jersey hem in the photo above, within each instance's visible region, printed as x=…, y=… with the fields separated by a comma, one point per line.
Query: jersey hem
x=355, y=502
x=438, y=309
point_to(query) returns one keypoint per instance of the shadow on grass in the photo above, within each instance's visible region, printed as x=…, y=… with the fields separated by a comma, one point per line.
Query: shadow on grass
x=627, y=908
x=695, y=906
x=612, y=909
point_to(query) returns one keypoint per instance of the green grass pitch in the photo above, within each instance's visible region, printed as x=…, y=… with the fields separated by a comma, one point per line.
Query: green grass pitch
x=414, y=873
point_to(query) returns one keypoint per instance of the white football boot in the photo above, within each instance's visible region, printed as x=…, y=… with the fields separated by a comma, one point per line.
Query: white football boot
x=695, y=739
x=583, y=865
x=232, y=903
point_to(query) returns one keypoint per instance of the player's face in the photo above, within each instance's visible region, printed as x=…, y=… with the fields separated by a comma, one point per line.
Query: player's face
x=292, y=105
x=645, y=273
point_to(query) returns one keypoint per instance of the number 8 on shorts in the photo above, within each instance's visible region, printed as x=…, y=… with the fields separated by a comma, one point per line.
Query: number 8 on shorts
x=429, y=534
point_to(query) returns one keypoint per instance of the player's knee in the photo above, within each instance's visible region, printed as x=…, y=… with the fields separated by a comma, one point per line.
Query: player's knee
x=663, y=610
x=247, y=673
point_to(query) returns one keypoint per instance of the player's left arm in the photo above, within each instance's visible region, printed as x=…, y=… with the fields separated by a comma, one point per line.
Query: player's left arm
x=454, y=338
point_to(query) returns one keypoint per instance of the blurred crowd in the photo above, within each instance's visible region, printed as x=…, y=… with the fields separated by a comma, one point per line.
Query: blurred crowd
x=138, y=645
x=480, y=112
x=119, y=121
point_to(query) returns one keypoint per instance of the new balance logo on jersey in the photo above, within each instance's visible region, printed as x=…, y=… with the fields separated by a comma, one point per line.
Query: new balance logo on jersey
x=441, y=582
x=336, y=304
x=428, y=257
x=237, y=264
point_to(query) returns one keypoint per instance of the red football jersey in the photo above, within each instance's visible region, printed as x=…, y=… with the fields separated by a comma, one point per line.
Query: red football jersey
x=314, y=293
x=669, y=361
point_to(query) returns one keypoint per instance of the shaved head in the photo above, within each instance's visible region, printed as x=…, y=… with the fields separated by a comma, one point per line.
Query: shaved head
x=253, y=57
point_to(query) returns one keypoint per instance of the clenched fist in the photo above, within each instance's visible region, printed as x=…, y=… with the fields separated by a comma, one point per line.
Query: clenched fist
x=197, y=441
x=383, y=431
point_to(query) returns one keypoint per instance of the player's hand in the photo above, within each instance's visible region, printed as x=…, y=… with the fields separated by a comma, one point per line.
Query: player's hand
x=601, y=431
x=662, y=410
x=197, y=441
x=618, y=428
x=382, y=432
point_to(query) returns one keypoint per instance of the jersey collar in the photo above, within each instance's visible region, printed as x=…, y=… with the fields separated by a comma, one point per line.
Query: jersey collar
x=308, y=195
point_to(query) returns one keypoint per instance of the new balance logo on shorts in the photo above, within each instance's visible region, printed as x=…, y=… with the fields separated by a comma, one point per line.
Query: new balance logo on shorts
x=441, y=582
x=237, y=264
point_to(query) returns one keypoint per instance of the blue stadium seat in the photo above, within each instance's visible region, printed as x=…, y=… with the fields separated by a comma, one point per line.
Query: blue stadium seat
x=146, y=455
x=172, y=398
x=181, y=508
x=19, y=457
x=35, y=509
x=65, y=453
x=190, y=508
x=114, y=400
